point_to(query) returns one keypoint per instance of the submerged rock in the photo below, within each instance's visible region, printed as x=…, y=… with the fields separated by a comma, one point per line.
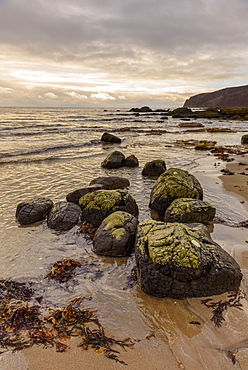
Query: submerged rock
x=33, y=210
x=189, y=211
x=111, y=182
x=172, y=184
x=154, y=168
x=113, y=160
x=179, y=261
x=110, y=138
x=96, y=206
x=63, y=216
x=116, y=235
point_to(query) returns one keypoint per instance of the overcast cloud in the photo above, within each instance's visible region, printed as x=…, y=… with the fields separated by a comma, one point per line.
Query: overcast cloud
x=120, y=52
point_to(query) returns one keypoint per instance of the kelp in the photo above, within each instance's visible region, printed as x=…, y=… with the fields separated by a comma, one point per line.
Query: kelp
x=63, y=270
x=219, y=307
x=87, y=229
x=22, y=326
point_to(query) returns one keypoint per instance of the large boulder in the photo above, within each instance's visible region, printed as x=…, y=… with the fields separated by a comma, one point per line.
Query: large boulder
x=114, y=160
x=110, y=138
x=96, y=206
x=189, y=211
x=33, y=210
x=180, y=261
x=154, y=168
x=111, y=182
x=75, y=195
x=172, y=184
x=116, y=235
x=63, y=216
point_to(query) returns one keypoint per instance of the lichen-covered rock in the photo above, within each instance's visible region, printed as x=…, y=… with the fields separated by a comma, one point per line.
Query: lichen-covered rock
x=244, y=139
x=131, y=161
x=172, y=184
x=63, y=216
x=154, y=168
x=116, y=235
x=181, y=261
x=189, y=211
x=96, y=206
x=75, y=195
x=111, y=182
x=110, y=138
x=33, y=210
x=113, y=160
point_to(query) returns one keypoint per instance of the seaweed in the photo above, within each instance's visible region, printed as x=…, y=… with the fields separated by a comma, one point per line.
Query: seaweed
x=63, y=270
x=12, y=289
x=219, y=307
x=132, y=279
x=87, y=229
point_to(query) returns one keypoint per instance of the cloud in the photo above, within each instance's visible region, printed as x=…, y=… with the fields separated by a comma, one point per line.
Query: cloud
x=102, y=96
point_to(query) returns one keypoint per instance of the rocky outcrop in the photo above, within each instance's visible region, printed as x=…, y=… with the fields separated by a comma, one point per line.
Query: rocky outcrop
x=228, y=97
x=154, y=168
x=96, y=206
x=189, y=211
x=33, y=210
x=63, y=216
x=115, y=236
x=172, y=184
x=179, y=261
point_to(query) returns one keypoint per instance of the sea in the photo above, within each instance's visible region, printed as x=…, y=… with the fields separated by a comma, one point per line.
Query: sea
x=50, y=152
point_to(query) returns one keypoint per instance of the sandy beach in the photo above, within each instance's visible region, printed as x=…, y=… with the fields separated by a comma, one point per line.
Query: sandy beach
x=189, y=339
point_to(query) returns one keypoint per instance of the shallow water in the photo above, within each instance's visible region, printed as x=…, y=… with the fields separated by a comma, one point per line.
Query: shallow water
x=51, y=152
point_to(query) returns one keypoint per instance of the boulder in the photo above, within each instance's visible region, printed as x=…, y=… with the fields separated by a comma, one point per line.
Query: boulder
x=116, y=235
x=172, y=184
x=110, y=138
x=75, y=195
x=63, y=216
x=189, y=211
x=154, y=168
x=244, y=139
x=190, y=124
x=96, y=206
x=33, y=210
x=180, y=261
x=131, y=161
x=110, y=182
x=113, y=160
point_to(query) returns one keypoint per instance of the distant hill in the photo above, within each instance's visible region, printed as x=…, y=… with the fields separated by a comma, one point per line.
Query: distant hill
x=228, y=97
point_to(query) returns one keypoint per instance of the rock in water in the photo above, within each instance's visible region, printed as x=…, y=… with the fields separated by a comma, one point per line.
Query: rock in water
x=189, y=211
x=63, y=216
x=131, y=161
x=116, y=235
x=154, y=168
x=172, y=184
x=111, y=182
x=114, y=160
x=182, y=261
x=33, y=210
x=110, y=138
x=96, y=206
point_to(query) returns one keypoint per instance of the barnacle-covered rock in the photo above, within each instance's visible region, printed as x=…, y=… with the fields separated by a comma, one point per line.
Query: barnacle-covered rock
x=33, y=210
x=116, y=235
x=179, y=261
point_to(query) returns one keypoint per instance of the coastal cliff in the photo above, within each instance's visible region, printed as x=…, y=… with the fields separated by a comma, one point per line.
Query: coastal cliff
x=228, y=97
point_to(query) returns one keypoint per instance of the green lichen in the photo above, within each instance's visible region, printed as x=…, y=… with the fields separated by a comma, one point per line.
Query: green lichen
x=171, y=243
x=115, y=222
x=103, y=199
x=190, y=210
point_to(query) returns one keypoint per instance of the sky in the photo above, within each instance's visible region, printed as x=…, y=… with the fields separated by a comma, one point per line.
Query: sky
x=120, y=53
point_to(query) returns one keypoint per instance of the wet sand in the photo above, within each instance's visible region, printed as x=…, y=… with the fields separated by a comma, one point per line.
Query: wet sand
x=189, y=339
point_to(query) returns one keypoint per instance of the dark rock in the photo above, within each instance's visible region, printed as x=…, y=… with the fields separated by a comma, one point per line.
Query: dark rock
x=131, y=161
x=63, y=216
x=98, y=205
x=228, y=97
x=75, y=195
x=142, y=109
x=172, y=184
x=154, y=168
x=244, y=139
x=33, y=210
x=190, y=124
x=116, y=235
x=189, y=211
x=179, y=261
x=109, y=138
x=113, y=160
x=110, y=182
